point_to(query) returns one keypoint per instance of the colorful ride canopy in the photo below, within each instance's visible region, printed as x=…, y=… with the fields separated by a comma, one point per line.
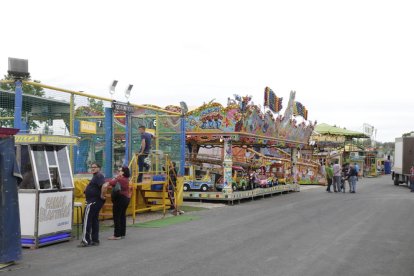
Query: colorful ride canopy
x=241, y=116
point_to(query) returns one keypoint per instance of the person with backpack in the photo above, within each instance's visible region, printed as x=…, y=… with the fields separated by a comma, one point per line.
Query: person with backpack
x=352, y=174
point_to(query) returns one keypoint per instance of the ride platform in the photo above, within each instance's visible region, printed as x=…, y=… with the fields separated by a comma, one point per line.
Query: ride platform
x=240, y=195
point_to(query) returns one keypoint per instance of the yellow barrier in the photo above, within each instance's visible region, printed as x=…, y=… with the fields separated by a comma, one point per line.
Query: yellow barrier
x=137, y=204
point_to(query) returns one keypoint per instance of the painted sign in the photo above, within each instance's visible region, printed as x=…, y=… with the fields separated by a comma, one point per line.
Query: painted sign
x=60, y=140
x=55, y=212
x=48, y=139
x=21, y=139
x=88, y=127
x=122, y=107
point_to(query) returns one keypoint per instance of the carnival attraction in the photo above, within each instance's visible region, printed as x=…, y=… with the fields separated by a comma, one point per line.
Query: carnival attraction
x=333, y=143
x=250, y=152
x=51, y=119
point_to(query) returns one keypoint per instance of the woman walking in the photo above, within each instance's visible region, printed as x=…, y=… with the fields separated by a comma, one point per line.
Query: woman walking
x=120, y=201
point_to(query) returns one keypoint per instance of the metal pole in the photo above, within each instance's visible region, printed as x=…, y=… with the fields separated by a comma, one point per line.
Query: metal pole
x=108, y=142
x=127, y=135
x=93, y=96
x=157, y=142
x=182, y=146
x=72, y=126
x=18, y=102
x=76, y=166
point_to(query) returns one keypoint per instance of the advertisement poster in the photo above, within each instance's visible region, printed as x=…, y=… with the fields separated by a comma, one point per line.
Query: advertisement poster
x=55, y=212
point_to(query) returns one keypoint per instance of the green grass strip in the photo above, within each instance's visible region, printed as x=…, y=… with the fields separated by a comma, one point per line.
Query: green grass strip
x=159, y=223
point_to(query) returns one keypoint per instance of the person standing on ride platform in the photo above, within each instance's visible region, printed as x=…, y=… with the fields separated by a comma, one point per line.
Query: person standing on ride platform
x=144, y=151
x=94, y=203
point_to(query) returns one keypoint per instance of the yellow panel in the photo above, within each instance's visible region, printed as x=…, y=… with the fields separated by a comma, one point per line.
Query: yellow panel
x=21, y=139
x=88, y=127
x=52, y=139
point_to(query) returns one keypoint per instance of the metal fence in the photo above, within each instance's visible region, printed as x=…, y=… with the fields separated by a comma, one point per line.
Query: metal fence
x=56, y=111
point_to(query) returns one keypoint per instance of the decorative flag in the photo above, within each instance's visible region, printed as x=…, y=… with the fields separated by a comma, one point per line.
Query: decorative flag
x=272, y=101
x=300, y=110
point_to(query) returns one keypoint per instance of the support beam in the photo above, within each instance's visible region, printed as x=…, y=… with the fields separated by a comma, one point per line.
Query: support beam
x=127, y=138
x=18, y=105
x=294, y=156
x=182, y=146
x=227, y=165
x=108, y=142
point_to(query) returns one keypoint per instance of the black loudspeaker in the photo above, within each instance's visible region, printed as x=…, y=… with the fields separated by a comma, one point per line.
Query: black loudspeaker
x=18, y=68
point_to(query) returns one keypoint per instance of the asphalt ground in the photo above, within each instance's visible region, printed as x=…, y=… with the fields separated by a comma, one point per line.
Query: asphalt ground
x=304, y=233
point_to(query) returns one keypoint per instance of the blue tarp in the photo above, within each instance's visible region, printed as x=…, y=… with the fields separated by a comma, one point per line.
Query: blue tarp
x=10, y=246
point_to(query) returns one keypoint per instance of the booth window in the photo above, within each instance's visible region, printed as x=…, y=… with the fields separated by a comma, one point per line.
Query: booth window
x=42, y=170
x=28, y=181
x=51, y=158
x=64, y=167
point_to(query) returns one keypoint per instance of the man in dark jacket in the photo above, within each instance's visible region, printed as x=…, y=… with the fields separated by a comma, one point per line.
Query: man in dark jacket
x=352, y=174
x=94, y=203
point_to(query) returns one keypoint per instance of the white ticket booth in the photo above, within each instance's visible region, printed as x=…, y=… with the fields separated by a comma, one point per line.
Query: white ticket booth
x=46, y=192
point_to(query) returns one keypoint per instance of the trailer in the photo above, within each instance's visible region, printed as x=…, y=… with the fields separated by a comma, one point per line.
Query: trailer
x=403, y=160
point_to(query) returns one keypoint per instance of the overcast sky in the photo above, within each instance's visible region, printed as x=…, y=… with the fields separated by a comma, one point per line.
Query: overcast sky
x=350, y=62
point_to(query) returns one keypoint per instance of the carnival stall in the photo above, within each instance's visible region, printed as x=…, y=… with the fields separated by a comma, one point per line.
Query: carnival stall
x=333, y=143
x=46, y=192
x=219, y=138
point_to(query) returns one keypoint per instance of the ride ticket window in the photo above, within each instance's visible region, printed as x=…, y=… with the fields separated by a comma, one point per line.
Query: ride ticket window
x=28, y=181
x=51, y=156
x=42, y=171
x=64, y=167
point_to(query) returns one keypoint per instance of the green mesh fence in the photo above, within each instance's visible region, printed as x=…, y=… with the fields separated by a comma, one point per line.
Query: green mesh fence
x=167, y=131
x=46, y=111
x=91, y=146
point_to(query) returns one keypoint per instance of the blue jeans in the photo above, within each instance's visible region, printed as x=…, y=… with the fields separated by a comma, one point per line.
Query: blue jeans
x=141, y=165
x=337, y=183
x=352, y=183
x=412, y=185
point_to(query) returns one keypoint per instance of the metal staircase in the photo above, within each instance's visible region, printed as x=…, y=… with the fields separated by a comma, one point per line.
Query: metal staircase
x=156, y=192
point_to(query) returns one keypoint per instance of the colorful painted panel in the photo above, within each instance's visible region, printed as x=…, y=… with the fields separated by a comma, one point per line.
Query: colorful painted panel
x=242, y=116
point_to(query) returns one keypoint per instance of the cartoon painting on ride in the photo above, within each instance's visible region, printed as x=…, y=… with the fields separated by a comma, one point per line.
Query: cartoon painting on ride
x=243, y=116
x=267, y=139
